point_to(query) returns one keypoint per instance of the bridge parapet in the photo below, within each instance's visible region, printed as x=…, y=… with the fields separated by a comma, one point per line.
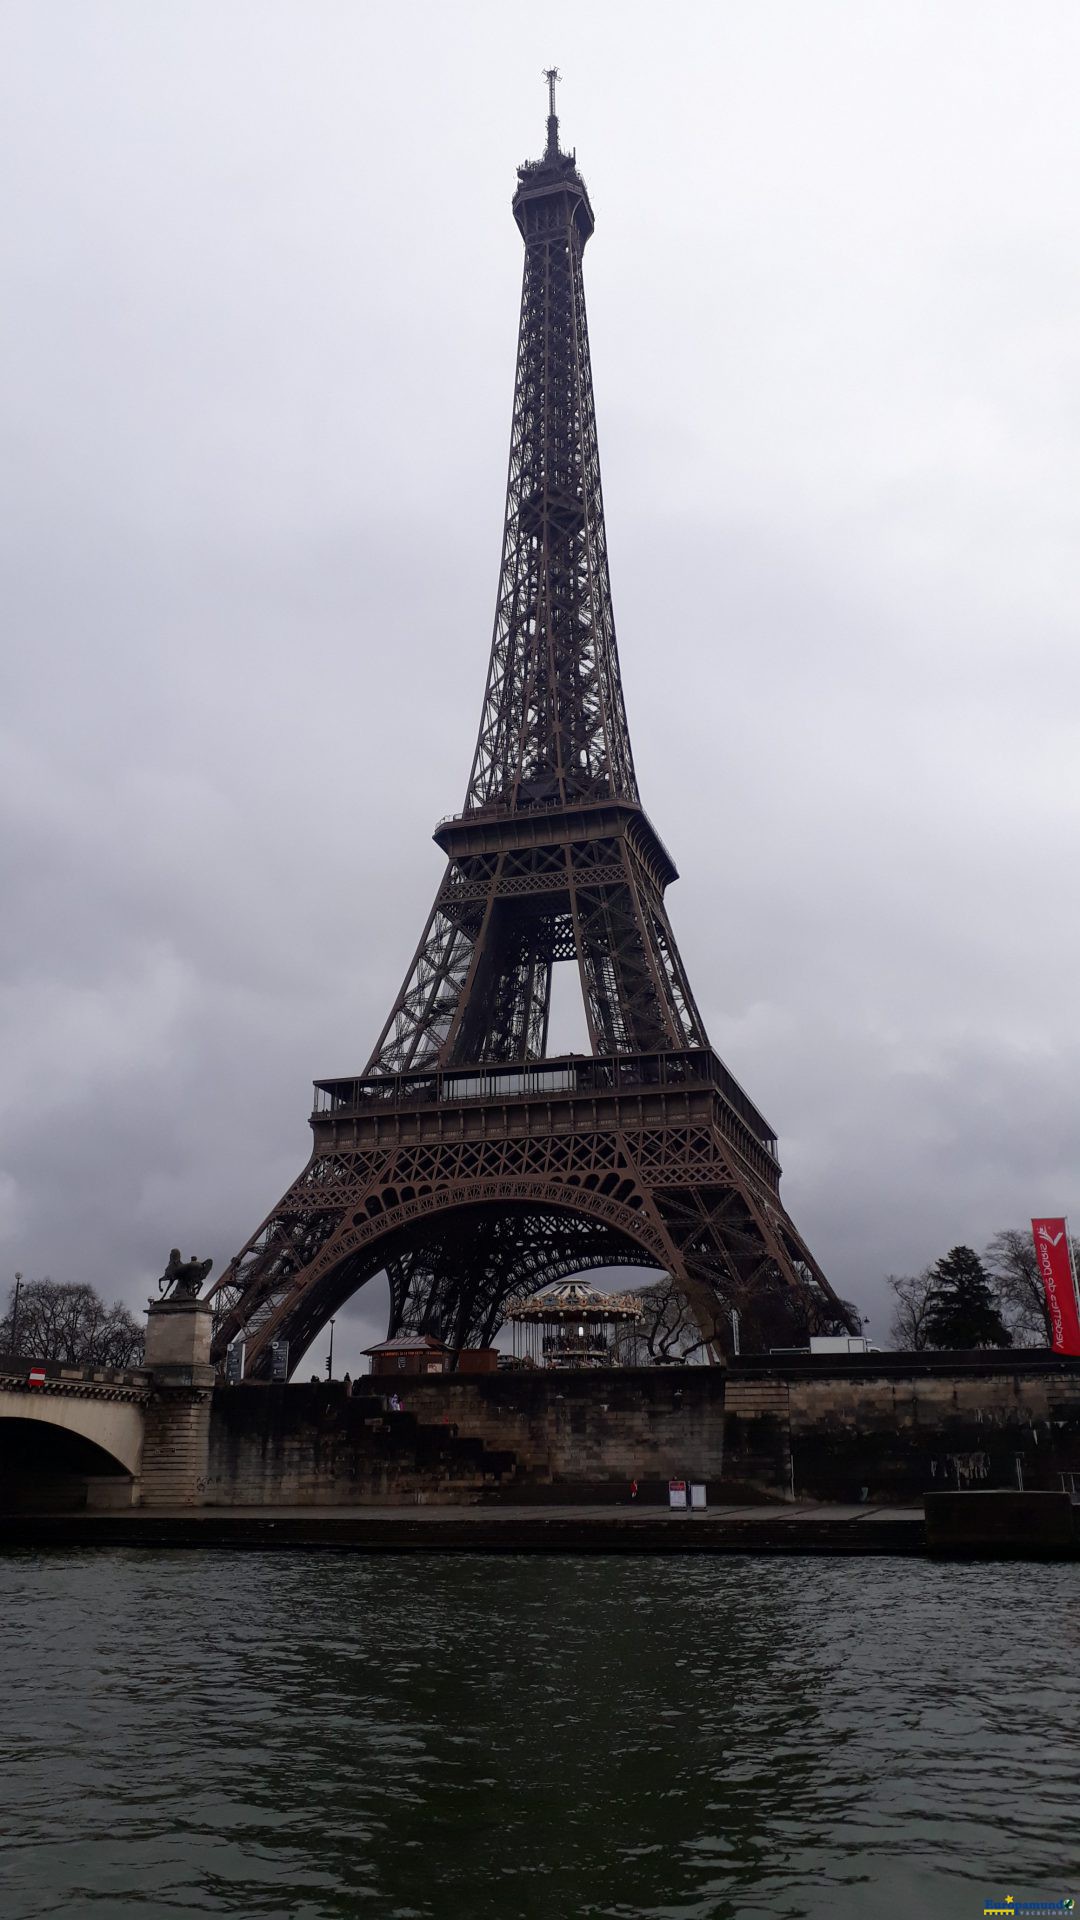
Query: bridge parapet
x=83, y=1383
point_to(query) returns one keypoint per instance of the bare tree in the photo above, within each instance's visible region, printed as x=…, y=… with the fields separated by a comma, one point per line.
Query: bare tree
x=770, y=1318
x=69, y=1322
x=908, y=1329
x=667, y=1330
x=1013, y=1265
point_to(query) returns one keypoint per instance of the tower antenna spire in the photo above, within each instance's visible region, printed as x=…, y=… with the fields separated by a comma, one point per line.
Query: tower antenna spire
x=552, y=76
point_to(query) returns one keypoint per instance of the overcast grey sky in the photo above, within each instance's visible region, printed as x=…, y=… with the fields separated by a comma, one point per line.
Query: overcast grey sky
x=259, y=309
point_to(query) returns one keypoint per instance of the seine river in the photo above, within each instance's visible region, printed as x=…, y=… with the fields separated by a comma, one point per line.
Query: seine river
x=314, y=1735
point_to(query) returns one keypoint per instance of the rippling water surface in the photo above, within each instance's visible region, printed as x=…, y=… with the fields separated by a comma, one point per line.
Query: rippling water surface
x=317, y=1735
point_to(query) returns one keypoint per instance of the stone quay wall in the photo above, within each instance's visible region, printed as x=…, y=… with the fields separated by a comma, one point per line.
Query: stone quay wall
x=321, y=1445
x=457, y=1437
x=610, y=1425
x=901, y=1425
x=877, y=1427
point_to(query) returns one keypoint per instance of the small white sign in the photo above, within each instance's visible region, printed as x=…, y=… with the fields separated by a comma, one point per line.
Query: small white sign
x=676, y=1493
x=697, y=1493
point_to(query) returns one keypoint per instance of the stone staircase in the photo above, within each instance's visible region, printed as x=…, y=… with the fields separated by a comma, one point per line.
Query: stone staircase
x=318, y=1445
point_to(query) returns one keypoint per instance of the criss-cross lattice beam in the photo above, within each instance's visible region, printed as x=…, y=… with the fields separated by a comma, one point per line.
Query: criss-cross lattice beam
x=554, y=721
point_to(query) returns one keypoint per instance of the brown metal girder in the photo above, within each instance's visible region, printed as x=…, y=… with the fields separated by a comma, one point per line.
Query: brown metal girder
x=631, y=953
x=495, y=830
x=549, y=1261
x=477, y=959
x=259, y=1285
x=717, y=1219
x=559, y=1265
x=537, y=1115
x=508, y=1252
x=683, y=1220
x=549, y=1189
x=353, y=1238
x=803, y=1253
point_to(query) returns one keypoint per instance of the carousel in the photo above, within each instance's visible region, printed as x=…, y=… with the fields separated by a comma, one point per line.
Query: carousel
x=570, y=1324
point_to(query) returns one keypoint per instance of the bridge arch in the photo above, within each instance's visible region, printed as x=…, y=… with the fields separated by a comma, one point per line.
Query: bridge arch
x=63, y=1448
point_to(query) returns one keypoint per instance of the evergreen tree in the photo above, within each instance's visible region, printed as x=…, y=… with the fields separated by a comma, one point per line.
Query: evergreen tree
x=962, y=1311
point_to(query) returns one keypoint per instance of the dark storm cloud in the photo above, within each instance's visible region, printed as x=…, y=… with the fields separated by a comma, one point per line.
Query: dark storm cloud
x=260, y=285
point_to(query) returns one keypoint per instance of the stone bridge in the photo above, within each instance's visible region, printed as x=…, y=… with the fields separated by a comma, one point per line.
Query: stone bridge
x=92, y=1436
x=78, y=1423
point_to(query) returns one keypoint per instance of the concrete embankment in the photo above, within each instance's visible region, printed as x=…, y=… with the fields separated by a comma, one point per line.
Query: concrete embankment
x=1000, y=1524
x=478, y=1529
x=995, y=1525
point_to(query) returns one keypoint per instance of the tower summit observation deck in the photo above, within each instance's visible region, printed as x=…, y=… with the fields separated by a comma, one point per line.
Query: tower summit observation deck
x=467, y=1162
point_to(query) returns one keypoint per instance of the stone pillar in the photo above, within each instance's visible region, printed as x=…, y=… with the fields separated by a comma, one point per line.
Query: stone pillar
x=176, y=1448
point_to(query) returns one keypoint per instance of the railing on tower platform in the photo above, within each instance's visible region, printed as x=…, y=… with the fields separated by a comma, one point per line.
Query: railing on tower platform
x=574, y=1074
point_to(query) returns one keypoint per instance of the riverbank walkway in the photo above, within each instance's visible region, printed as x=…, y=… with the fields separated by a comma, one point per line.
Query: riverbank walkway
x=795, y=1528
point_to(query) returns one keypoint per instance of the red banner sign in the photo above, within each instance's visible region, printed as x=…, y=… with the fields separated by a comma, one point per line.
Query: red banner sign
x=1055, y=1266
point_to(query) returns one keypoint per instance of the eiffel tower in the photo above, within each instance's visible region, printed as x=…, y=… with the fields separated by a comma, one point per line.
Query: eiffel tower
x=466, y=1162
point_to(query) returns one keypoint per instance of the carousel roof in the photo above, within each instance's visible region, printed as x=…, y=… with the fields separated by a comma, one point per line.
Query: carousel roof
x=575, y=1300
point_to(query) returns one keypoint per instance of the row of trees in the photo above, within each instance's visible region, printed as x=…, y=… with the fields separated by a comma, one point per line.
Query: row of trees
x=69, y=1322
x=668, y=1331
x=963, y=1300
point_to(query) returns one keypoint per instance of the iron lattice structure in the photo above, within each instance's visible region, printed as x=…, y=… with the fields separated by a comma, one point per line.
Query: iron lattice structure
x=465, y=1162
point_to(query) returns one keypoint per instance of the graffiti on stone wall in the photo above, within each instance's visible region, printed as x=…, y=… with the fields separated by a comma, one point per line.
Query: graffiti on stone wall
x=961, y=1469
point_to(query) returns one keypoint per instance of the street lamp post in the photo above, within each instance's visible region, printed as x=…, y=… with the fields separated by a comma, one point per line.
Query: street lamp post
x=330, y=1355
x=15, y=1315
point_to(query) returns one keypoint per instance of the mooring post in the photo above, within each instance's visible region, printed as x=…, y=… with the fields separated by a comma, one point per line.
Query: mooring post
x=176, y=1448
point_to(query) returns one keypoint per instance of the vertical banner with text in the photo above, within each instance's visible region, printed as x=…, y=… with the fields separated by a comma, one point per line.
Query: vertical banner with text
x=1055, y=1267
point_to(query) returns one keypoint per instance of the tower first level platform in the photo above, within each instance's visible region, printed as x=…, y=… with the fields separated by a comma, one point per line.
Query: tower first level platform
x=468, y=1186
